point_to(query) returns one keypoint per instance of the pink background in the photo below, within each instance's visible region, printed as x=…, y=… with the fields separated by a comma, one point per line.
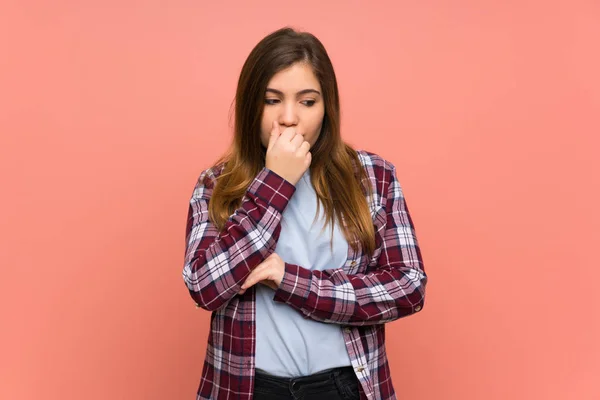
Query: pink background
x=490, y=111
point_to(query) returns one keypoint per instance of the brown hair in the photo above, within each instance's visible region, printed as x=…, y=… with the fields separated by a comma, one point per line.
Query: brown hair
x=340, y=181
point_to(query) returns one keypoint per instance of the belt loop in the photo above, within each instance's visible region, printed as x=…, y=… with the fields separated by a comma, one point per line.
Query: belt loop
x=293, y=385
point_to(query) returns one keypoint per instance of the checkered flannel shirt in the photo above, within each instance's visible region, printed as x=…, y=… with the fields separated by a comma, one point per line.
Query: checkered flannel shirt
x=361, y=296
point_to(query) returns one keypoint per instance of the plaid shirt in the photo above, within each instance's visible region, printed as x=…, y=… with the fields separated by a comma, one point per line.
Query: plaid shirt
x=361, y=296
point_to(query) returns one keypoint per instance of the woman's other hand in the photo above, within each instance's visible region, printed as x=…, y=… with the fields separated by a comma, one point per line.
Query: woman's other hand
x=270, y=273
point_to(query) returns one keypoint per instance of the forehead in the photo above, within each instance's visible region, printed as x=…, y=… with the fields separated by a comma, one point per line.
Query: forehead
x=295, y=78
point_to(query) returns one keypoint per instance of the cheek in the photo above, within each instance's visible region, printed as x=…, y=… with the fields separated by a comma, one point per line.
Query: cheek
x=265, y=128
x=265, y=120
x=318, y=123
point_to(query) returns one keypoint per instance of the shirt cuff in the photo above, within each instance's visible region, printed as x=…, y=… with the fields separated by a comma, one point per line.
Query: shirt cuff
x=295, y=286
x=272, y=188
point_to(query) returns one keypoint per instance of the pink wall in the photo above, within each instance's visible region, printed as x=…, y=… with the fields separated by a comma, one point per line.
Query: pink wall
x=490, y=110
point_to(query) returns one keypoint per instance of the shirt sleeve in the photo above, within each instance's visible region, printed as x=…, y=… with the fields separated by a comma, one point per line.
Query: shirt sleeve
x=218, y=263
x=395, y=288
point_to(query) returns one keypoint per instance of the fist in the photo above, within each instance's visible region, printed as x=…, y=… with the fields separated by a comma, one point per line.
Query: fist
x=287, y=154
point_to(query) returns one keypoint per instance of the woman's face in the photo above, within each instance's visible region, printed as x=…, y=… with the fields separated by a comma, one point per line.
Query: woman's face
x=293, y=99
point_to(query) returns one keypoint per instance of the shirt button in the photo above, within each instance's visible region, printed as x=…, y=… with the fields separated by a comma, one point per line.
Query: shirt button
x=347, y=329
x=360, y=368
x=353, y=263
x=418, y=308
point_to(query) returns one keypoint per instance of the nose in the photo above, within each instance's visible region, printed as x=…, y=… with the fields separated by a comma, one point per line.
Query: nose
x=288, y=116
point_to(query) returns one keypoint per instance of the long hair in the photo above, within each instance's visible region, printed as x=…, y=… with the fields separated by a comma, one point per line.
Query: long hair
x=340, y=181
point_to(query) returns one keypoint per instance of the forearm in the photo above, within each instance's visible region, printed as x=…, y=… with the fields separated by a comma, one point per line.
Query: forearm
x=217, y=263
x=332, y=296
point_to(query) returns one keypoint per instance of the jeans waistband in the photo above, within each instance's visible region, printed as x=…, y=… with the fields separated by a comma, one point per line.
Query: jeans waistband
x=317, y=377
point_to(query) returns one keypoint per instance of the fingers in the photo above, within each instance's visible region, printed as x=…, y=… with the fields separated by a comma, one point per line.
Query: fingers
x=303, y=149
x=265, y=282
x=274, y=135
x=288, y=134
x=297, y=141
x=255, y=276
x=308, y=159
x=260, y=274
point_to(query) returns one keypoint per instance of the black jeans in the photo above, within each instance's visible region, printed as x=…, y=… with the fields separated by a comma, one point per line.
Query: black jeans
x=332, y=384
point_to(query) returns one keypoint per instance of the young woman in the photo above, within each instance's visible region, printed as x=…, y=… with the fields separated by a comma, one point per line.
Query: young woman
x=300, y=246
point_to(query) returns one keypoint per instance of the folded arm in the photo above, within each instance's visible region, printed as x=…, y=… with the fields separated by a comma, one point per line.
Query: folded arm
x=395, y=288
x=217, y=263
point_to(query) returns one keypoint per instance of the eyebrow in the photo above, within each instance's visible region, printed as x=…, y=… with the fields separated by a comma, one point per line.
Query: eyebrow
x=279, y=92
